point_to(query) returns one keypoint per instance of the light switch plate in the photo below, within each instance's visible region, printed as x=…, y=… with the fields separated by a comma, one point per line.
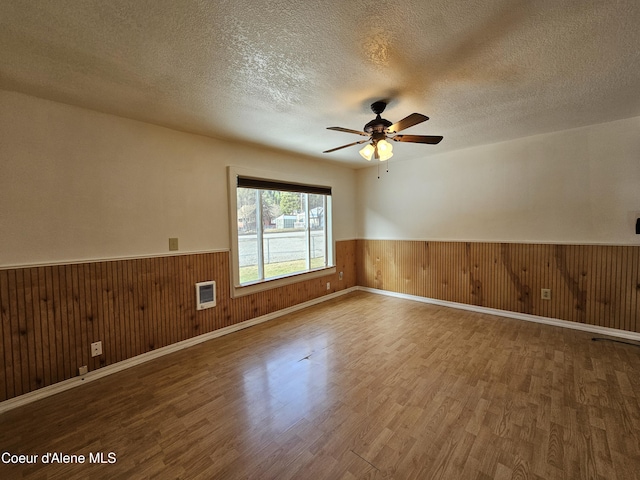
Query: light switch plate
x=173, y=244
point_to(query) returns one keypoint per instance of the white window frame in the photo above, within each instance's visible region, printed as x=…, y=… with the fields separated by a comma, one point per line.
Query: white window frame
x=237, y=289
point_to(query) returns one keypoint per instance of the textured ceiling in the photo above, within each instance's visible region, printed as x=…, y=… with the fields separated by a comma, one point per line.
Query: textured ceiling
x=278, y=73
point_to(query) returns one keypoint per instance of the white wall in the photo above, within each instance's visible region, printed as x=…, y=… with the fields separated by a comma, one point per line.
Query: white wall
x=575, y=186
x=81, y=185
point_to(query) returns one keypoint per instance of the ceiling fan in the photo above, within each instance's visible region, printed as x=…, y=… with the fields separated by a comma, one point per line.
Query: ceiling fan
x=379, y=130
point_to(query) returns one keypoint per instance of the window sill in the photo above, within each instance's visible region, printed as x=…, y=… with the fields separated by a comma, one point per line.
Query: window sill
x=242, y=290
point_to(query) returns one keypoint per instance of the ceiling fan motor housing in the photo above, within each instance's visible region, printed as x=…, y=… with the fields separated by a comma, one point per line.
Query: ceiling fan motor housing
x=377, y=125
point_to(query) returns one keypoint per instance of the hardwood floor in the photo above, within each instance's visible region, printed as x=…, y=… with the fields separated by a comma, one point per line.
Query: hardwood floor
x=364, y=386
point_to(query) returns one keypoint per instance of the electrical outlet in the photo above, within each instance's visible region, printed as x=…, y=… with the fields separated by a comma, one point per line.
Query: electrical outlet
x=83, y=370
x=96, y=349
x=546, y=294
x=173, y=244
x=340, y=275
x=328, y=285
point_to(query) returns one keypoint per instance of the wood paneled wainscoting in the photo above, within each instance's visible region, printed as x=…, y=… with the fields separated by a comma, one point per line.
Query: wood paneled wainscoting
x=590, y=284
x=50, y=315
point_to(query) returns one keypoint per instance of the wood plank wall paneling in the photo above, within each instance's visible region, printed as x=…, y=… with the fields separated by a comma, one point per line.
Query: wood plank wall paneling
x=591, y=284
x=49, y=316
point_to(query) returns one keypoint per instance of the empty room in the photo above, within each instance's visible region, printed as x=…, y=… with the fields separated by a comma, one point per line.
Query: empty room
x=323, y=240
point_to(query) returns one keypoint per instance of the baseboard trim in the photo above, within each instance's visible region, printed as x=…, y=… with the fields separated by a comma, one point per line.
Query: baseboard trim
x=160, y=352
x=556, y=322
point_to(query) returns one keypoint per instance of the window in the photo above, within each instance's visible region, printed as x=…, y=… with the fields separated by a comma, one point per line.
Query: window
x=281, y=231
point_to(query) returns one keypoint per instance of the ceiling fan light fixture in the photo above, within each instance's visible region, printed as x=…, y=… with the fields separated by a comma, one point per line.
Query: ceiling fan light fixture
x=384, y=146
x=384, y=155
x=385, y=150
x=367, y=152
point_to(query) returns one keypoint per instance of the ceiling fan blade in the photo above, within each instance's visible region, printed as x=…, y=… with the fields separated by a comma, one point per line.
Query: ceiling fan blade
x=345, y=146
x=430, y=139
x=348, y=130
x=408, y=121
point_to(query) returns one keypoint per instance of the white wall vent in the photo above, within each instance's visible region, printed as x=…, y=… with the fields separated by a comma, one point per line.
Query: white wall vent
x=205, y=295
